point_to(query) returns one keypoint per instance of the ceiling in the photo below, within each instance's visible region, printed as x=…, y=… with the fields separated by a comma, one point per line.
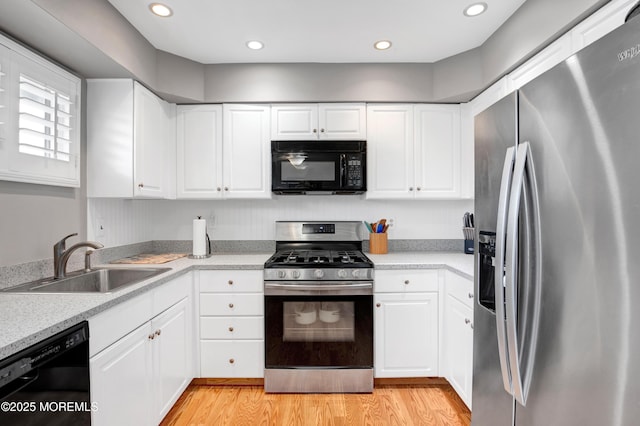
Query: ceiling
x=328, y=31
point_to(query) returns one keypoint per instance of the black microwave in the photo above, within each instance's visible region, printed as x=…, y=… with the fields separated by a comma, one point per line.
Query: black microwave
x=318, y=167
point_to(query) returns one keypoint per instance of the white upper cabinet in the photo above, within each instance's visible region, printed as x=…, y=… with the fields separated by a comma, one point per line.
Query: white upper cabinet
x=130, y=141
x=602, y=22
x=414, y=151
x=389, y=151
x=199, y=151
x=437, y=151
x=246, y=151
x=39, y=119
x=332, y=121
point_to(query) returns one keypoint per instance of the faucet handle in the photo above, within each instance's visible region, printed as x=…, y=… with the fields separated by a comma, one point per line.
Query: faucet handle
x=61, y=245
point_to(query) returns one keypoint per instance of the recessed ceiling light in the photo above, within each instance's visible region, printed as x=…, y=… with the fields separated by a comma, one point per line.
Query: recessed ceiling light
x=160, y=9
x=255, y=45
x=382, y=44
x=475, y=9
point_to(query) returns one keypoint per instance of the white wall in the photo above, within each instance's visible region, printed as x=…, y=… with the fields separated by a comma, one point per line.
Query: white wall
x=132, y=221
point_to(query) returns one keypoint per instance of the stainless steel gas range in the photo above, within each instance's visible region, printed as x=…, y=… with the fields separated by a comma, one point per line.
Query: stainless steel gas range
x=318, y=310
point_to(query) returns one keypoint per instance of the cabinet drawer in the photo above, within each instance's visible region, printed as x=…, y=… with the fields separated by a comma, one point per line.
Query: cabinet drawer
x=400, y=281
x=232, y=328
x=231, y=281
x=230, y=304
x=460, y=288
x=228, y=358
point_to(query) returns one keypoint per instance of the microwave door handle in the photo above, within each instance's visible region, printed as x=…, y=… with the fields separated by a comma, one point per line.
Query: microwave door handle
x=343, y=170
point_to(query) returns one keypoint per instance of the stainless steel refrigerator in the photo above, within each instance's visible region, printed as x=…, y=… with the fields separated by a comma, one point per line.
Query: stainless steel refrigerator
x=557, y=319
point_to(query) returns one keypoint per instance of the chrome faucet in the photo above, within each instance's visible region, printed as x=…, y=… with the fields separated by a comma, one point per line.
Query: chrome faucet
x=61, y=255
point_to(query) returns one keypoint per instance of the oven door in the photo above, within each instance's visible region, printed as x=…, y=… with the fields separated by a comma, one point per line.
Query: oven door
x=318, y=325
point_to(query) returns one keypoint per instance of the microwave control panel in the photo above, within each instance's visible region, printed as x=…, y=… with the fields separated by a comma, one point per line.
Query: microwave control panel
x=354, y=170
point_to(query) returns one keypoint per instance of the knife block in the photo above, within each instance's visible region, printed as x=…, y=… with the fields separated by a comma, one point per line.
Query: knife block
x=378, y=243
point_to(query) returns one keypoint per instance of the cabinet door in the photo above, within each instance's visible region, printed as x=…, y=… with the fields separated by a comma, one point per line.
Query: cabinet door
x=149, y=144
x=342, y=121
x=459, y=347
x=171, y=356
x=199, y=151
x=247, y=151
x=390, y=151
x=406, y=335
x=437, y=151
x=294, y=122
x=121, y=377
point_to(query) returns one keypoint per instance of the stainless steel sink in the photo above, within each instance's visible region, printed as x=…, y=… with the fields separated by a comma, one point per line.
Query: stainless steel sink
x=99, y=280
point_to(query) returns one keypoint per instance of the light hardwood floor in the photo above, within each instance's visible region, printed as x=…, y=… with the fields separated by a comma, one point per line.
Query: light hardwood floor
x=388, y=405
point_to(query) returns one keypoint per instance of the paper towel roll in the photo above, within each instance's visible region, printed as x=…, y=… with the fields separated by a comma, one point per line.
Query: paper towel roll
x=199, y=237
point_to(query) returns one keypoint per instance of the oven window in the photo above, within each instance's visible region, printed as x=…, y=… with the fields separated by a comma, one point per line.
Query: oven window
x=308, y=171
x=319, y=331
x=318, y=322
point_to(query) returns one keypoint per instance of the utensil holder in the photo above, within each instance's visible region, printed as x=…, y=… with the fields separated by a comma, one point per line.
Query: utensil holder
x=378, y=243
x=469, y=236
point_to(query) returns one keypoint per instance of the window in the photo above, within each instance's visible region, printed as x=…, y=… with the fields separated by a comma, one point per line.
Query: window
x=44, y=128
x=39, y=119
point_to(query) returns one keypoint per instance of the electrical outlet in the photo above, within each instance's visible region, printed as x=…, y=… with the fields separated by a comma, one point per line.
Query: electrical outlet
x=211, y=221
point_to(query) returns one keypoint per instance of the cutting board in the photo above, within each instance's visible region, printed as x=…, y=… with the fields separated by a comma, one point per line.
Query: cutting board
x=150, y=258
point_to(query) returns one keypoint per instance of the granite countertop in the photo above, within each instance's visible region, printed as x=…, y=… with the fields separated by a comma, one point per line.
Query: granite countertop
x=459, y=263
x=29, y=318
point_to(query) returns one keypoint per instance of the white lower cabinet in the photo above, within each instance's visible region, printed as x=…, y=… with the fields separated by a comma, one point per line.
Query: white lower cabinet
x=406, y=323
x=137, y=379
x=458, y=335
x=231, y=324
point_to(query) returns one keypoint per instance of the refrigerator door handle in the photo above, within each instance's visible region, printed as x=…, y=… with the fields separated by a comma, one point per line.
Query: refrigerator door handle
x=521, y=372
x=499, y=285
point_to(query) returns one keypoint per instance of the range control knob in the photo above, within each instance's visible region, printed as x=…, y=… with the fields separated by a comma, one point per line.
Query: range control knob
x=355, y=273
x=282, y=274
x=342, y=273
x=295, y=274
x=318, y=273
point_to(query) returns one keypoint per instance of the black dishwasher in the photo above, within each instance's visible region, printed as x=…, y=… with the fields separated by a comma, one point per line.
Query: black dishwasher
x=48, y=382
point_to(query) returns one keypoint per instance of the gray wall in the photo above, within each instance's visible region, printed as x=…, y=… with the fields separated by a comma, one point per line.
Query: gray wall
x=458, y=79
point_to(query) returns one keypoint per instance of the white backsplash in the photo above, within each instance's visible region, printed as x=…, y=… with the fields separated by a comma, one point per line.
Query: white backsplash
x=133, y=221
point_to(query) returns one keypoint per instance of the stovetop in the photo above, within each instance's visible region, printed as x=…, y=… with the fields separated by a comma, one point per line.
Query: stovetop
x=318, y=258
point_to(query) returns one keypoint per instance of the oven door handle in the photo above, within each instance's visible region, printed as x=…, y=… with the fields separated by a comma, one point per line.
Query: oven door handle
x=311, y=287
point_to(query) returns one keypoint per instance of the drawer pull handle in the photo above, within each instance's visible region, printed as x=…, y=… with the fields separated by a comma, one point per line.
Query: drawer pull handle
x=152, y=336
x=470, y=295
x=230, y=282
x=231, y=361
x=467, y=321
x=406, y=282
x=231, y=329
x=158, y=331
x=231, y=305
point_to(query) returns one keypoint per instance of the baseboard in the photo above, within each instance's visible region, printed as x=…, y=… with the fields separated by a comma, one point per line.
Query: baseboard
x=390, y=381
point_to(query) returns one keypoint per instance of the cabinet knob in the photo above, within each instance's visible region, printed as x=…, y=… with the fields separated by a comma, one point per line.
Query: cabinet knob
x=467, y=321
x=231, y=361
x=152, y=336
x=406, y=282
x=378, y=305
x=315, y=130
x=321, y=130
x=231, y=305
x=219, y=189
x=411, y=188
x=226, y=188
x=230, y=282
x=419, y=189
x=141, y=185
x=470, y=295
x=231, y=329
x=158, y=332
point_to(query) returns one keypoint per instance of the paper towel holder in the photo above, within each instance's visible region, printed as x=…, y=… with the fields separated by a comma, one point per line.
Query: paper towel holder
x=203, y=256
